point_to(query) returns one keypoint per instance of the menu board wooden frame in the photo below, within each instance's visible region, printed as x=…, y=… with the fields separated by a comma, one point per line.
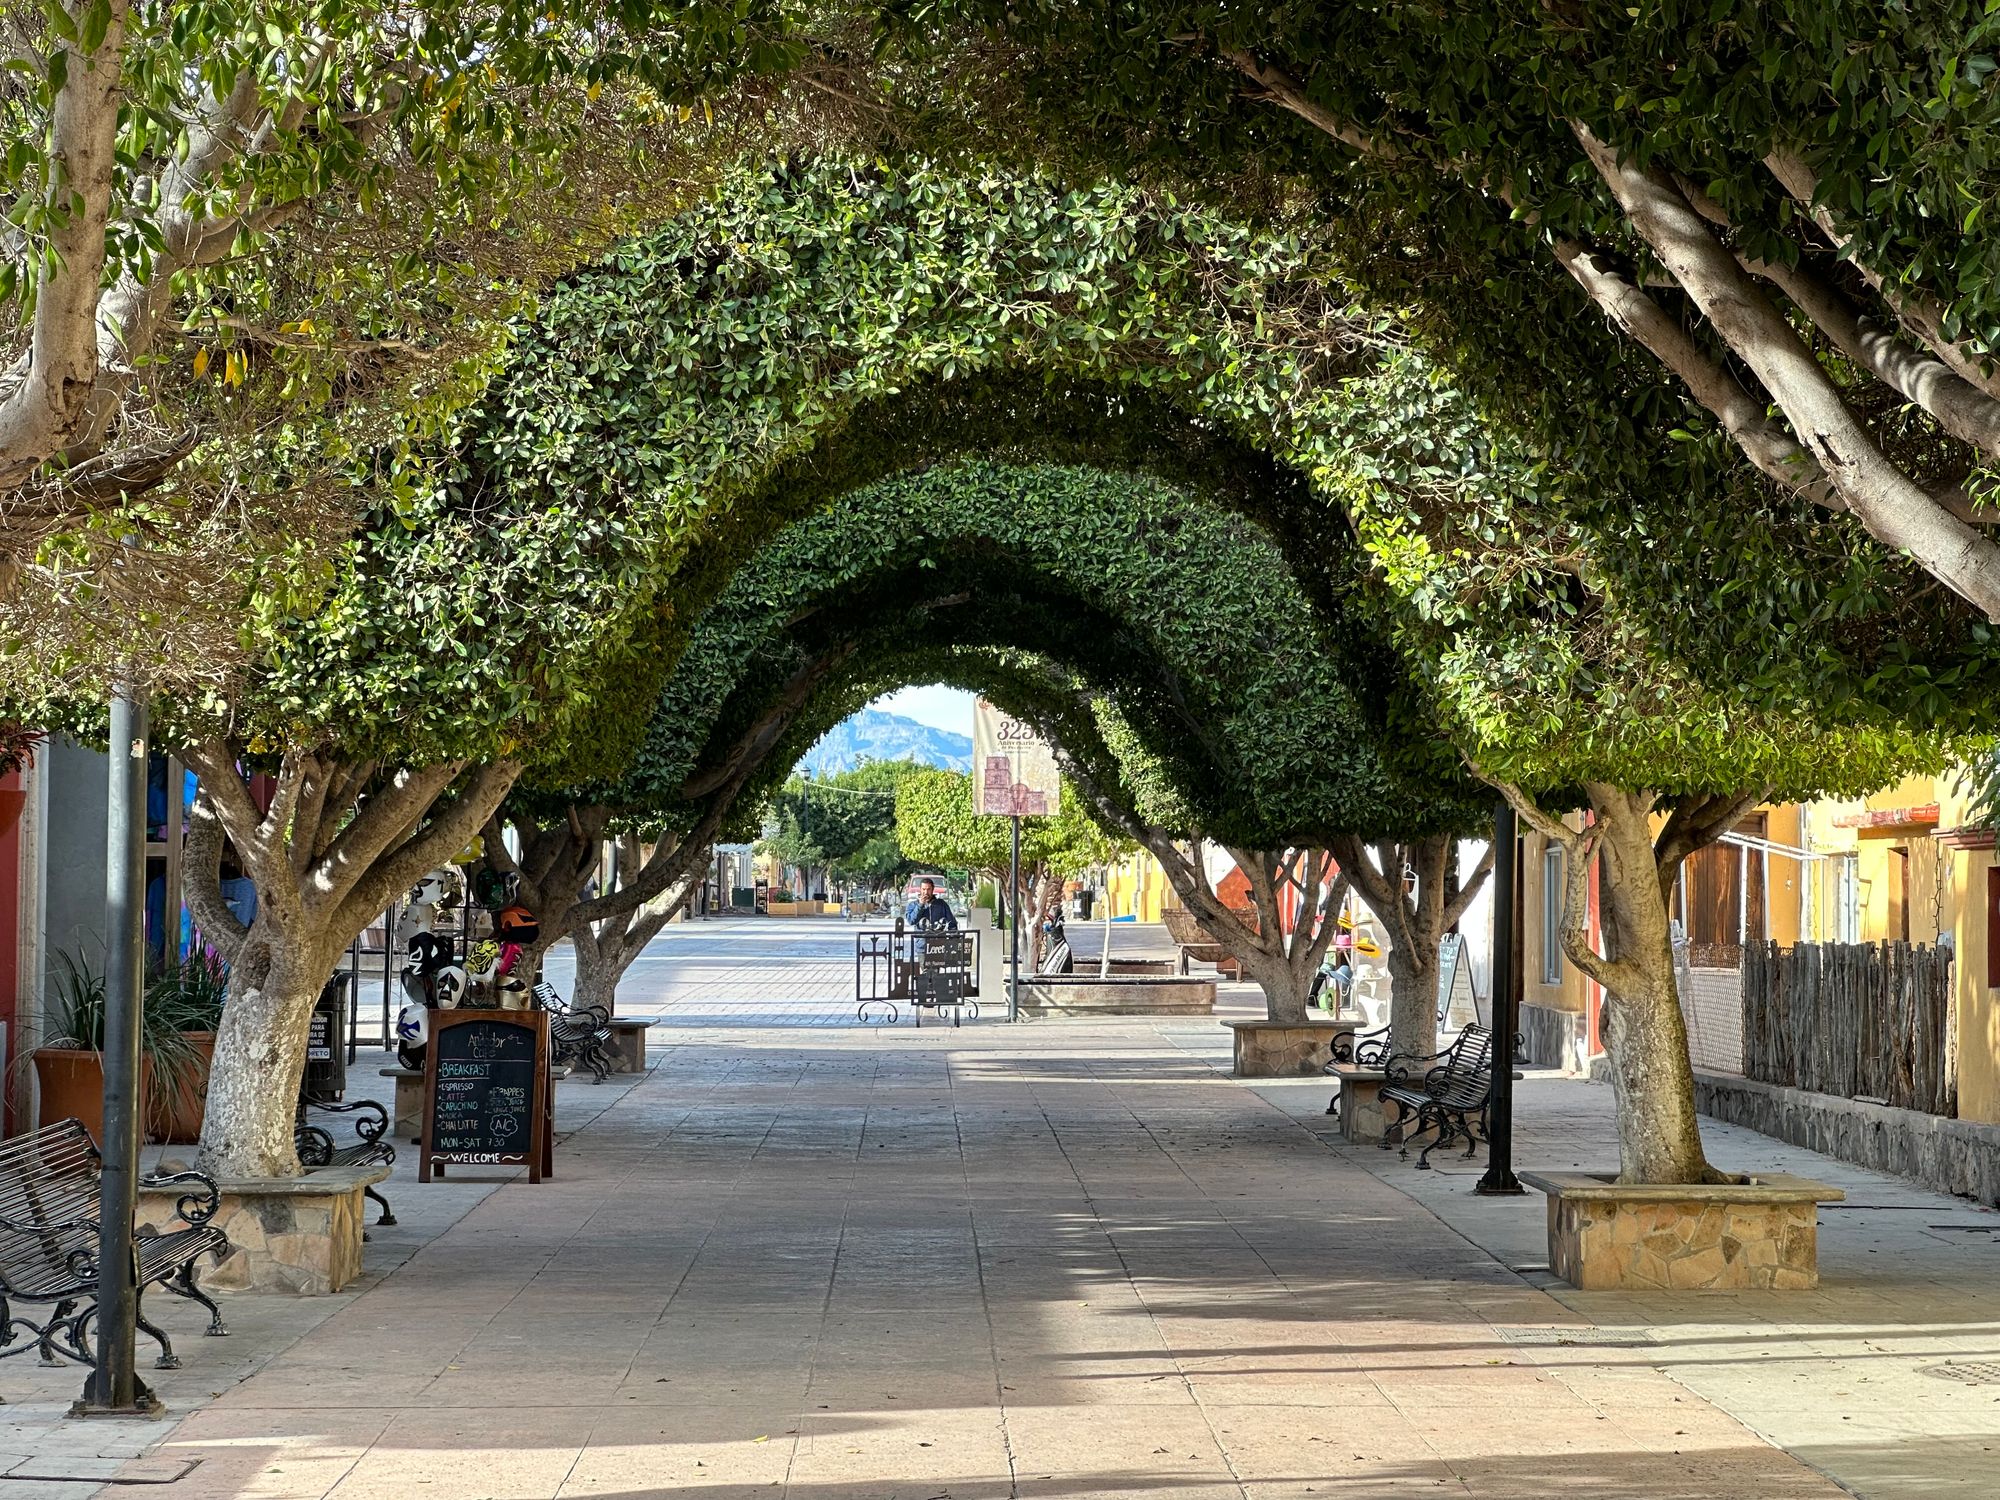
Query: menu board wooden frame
x=540, y=1157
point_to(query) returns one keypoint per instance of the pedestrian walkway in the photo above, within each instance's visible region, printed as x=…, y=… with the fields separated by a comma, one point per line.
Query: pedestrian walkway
x=1052, y=1260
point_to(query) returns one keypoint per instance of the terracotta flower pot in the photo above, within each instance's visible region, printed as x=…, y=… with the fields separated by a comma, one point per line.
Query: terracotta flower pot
x=71, y=1083
x=174, y=1115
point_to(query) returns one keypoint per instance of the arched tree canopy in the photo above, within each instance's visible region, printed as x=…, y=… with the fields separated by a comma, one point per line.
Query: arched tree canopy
x=814, y=329
x=1270, y=719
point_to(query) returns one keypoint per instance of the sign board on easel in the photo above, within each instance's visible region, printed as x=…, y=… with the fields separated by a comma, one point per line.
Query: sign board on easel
x=1458, y=1006
x=488, y=1096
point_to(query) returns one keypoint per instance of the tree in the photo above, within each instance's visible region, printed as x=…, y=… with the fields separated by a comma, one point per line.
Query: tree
x=1273, y=716
x=1414, y=888
x=935, y=825
x=154, y=143
x=1717, y=266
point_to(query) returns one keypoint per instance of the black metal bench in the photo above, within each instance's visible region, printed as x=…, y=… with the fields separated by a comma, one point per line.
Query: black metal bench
x=49, y=1244
x=1356, y=1049
x=577, y=1036
x=317, y=1147
x=1364, y=1049
x=1453, y=1088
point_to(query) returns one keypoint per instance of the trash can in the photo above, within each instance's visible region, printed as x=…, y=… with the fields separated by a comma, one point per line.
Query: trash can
x=326, y=1042
x=1083, y=899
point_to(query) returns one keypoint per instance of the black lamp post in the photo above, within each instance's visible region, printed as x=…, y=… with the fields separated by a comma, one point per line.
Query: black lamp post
x=1499, y=1178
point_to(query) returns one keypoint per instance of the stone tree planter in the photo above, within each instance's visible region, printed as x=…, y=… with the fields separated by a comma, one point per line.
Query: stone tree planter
x=1285, y=1049
x=1759, y=1232
x=1120, y=995
x=298, y=1235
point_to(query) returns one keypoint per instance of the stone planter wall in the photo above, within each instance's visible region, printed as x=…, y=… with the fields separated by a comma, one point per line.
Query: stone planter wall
x=1126, y=995
x=1553, y=1038
x=287, y=1234
x=1284, y=1049
x=1953, y=1156
x=1762, y=1233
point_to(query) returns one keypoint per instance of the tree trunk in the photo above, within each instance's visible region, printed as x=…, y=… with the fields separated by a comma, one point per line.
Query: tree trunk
x=337, y=843
x=603, y=956
x=1415, y=921
x=1659, y=1132
x=1287, y=989
x=260, y=1054
x=1412, y=1001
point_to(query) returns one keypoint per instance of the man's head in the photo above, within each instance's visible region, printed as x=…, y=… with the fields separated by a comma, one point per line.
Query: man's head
x=926, y=891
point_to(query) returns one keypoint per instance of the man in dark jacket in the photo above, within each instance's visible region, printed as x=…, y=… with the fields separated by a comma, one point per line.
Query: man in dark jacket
x=929, y=909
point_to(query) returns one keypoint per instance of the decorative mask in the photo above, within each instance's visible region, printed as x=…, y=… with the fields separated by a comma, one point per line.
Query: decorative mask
x=412, y=920
x=516, y=924
x=413, y=1025
x=448, y=985
x=482, y=961
x=512, y=993
x=431, y=890
x=428, y=952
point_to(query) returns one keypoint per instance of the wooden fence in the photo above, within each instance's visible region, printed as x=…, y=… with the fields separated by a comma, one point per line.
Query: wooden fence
x=1856, y=1020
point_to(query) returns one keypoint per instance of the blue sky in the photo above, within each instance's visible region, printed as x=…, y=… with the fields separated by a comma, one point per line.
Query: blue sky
x=940, y=707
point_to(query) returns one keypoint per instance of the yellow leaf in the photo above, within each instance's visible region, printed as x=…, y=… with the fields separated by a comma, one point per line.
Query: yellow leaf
x=200, y=363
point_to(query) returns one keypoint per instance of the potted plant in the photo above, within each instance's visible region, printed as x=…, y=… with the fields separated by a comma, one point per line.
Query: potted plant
x=69, y=1066
x=17, y=753
x=183, y=1008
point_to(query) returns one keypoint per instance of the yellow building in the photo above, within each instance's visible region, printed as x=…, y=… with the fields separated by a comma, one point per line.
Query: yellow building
x=1756, y=885
x=1137, y=887
x=1901, y=866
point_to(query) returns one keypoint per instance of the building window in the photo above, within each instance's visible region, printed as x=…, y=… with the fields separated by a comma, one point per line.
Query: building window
x=1720, y=897
x=1846, y=899
x=1552, y=914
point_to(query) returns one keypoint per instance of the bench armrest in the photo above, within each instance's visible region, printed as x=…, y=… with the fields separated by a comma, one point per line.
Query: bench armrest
x=40, y=1226
x=371, y=1120
x=1403, y=1066
x=194, y=1208
x=315, y=1146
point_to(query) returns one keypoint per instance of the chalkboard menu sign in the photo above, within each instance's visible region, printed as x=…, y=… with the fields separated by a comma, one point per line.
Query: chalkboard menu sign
x=486, y=1092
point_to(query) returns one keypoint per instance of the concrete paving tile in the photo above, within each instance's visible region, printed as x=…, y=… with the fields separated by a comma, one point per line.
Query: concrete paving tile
x=1065, y=1260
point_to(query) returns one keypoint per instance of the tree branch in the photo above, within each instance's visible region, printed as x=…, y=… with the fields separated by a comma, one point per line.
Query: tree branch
x=1456, y=908
x=1280, y=88
x=202, y=880
x=1895, y=510
x=1919, y=312
x=46, y=405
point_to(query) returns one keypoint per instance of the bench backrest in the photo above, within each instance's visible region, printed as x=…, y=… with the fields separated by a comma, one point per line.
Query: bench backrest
x=48, y=1197
x=1467, y=1073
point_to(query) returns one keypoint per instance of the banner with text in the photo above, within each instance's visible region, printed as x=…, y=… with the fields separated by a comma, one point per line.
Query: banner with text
x=1013, y=767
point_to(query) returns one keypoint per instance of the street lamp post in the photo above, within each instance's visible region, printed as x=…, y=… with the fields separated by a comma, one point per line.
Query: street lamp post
x=1014, y=928
x=114, y=1388
x=1499, y=1178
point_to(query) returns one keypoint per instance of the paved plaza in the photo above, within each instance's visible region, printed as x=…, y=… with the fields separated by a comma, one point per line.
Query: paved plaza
x=828, y=1262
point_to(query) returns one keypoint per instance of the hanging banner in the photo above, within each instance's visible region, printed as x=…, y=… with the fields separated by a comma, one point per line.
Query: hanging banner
x=1013, y=767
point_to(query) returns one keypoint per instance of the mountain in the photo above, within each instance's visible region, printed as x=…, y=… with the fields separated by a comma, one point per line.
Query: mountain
x=874, y=735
